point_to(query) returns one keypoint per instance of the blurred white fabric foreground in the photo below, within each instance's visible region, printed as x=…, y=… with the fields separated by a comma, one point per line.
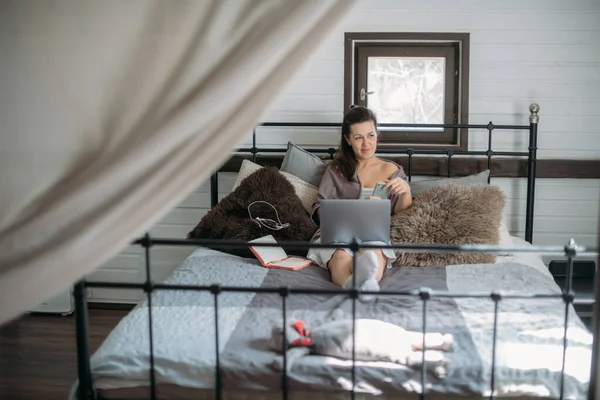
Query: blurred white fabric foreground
x=111, y=112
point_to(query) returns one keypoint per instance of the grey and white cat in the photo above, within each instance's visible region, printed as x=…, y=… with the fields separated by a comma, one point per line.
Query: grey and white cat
x=375, y=341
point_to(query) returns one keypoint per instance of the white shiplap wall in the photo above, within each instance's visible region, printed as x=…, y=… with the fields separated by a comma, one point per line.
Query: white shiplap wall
x=544, y=51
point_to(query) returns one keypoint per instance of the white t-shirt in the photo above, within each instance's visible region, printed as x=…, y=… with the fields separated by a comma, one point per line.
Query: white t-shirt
x=365, y=192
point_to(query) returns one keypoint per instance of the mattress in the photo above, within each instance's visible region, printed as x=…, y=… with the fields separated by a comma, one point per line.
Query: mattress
x=529, y=338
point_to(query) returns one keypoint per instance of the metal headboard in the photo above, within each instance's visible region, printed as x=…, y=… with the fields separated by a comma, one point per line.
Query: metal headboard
x=531, y=153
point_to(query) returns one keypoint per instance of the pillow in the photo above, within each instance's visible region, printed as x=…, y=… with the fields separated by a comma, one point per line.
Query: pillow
x=479, y=178
x=418, y=187
x=303, y=164
x=450, y=214
x=306, y=192
x=230, y=219
x=505, y=237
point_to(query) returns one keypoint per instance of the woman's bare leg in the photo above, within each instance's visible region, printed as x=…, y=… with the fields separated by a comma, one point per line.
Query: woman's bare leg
x=340, y=266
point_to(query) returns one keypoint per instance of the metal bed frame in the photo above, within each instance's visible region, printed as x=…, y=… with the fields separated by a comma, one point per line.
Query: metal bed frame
x=571, y=250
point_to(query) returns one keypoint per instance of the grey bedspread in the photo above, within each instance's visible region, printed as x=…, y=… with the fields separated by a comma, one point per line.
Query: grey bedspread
x=529, y=346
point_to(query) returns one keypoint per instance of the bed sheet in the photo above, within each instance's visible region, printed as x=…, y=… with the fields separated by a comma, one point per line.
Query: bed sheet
x=529, y=342
x=532, y=259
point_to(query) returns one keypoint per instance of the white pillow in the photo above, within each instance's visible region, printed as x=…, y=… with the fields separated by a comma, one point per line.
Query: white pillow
x=505, y=237
x=306, y=192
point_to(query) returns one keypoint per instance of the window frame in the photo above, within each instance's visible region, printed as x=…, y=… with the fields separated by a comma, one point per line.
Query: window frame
x=358, y=46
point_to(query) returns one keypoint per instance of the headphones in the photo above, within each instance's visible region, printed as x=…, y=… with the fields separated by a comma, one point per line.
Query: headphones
x=267, y=222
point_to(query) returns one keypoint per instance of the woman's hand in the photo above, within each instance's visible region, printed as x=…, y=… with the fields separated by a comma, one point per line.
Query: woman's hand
x=397, y=186
x=401, y=188
x=373, y=198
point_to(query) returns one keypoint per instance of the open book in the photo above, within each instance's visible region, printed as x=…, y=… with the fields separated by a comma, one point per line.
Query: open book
x=276, y=257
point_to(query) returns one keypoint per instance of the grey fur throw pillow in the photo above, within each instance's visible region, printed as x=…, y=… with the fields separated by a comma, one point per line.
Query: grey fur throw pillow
x=450, y=214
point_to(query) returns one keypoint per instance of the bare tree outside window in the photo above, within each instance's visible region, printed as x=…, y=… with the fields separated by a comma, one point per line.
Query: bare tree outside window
x=407, y=89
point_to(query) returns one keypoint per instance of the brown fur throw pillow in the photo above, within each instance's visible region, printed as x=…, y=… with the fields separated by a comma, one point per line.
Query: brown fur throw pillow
x=230, y=219
x=449, y=214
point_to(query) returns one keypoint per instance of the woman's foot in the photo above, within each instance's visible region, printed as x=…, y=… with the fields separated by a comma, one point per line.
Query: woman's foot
x=367, y=265
x=370, y=285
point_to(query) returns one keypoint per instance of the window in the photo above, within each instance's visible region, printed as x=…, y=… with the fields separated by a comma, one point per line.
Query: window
x=411, y=78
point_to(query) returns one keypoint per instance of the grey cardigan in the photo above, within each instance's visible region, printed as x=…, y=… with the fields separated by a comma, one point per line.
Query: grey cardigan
x=335, y=186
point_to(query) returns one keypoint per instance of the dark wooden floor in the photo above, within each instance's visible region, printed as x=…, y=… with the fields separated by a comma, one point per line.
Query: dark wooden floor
x=38, y=353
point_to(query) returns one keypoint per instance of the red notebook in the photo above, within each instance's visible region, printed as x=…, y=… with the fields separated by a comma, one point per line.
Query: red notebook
x=276, y=257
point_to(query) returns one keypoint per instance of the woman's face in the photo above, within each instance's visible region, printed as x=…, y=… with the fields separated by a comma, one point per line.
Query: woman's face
x=363, y=139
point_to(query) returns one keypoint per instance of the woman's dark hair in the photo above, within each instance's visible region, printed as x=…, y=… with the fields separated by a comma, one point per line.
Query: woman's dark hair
x=345, y=159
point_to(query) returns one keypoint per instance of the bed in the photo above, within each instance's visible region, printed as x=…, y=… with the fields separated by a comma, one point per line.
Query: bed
x=508, y=333
x=529, y=342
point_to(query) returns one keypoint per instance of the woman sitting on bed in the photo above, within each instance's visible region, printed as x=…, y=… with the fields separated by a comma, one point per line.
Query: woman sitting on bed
x=353, y=174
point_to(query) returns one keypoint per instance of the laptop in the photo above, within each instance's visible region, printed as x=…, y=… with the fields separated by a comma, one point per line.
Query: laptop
x=344, y=219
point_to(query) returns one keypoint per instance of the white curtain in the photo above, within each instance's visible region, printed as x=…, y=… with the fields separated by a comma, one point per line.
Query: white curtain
x=111, y=112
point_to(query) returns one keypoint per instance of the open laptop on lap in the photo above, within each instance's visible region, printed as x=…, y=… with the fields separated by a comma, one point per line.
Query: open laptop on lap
x=343, y=220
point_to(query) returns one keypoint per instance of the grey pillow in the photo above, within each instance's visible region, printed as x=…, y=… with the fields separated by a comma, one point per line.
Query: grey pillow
x=303, y=164
x=418, y=187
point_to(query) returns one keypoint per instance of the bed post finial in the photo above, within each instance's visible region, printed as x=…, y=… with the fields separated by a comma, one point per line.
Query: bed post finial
x=534, y=118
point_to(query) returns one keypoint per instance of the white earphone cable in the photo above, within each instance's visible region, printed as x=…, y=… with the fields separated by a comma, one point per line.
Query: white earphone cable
x=266, y=222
